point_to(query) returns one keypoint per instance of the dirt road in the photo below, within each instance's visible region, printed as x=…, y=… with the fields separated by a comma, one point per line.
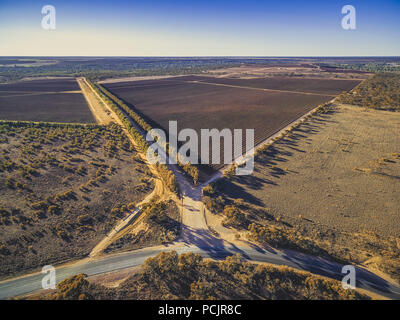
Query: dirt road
x=96, y=106
x=115, y=233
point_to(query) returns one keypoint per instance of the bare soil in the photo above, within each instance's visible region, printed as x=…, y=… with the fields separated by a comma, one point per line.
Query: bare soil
x=50, y=100
x=200, y=105
x=97, y=107
x=158, y=226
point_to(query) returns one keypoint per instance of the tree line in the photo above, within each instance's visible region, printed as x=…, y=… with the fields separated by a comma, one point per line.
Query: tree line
x=166, y=175
x=188, y=168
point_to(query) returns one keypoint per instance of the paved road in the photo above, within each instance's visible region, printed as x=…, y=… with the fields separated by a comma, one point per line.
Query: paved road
x=365, y=279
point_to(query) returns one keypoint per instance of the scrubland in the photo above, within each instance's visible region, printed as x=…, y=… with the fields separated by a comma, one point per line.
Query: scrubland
x=62, y=188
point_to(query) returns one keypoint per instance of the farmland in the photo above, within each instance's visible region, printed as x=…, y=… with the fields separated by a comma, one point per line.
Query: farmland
x=317, y=86
x=62, y=188
x=208, y=102
x=55, y=100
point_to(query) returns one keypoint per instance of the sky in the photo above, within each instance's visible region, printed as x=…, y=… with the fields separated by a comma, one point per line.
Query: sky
x=200, y=28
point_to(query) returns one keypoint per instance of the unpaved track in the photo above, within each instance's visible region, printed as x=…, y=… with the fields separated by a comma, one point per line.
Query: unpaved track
x=96, y=107
x=124, y=223
x=159, y=189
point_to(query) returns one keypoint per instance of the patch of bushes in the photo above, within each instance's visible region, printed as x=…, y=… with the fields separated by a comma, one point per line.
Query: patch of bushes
x=279, y=237
x=67, y=195
x=4, y=249
x=73, y=288
x=85, y=220
x=234, y=217
x=382, y=92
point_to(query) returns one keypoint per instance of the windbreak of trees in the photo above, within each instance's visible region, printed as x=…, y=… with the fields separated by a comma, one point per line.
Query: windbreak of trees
x=135, y=117
x=166, y=175
x=188, y=168
x=381, y=92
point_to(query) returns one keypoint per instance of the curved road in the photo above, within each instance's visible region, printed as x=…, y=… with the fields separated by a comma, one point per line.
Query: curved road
x=365, y=279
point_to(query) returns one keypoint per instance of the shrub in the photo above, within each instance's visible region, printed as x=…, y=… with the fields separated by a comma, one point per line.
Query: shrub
x=4, y=212
x=63, y=234
x=208, y=191
x=40, y=205
x=234, y=217
x=85, y=220
x=73, y=288
x=54, y=209
x=4, y=250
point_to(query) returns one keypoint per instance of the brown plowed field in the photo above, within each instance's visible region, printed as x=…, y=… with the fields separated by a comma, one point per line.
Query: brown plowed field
x=58, y=100
x=230, y=103
x=317, y=86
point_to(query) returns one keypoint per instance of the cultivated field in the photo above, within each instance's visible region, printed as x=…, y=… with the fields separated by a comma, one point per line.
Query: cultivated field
x=287, y=69
x=330, y=187
x=62, y=188
x=56, y=100
x=206, y=102
x=308, y=85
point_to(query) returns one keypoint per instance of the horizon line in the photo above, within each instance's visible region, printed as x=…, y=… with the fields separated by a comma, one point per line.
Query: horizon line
x=204, y=56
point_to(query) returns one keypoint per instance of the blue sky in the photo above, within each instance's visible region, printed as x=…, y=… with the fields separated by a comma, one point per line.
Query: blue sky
x=200, y=28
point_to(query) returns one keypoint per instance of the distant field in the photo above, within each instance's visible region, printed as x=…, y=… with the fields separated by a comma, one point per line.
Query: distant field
x=317, y=86
x=57, y=100
x=15, y=61
x=200, y=105
x=52, y=85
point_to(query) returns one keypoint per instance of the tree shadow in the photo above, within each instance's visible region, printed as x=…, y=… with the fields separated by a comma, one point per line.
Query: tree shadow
x=268, y=162
x=235, y=191
x=215, y=248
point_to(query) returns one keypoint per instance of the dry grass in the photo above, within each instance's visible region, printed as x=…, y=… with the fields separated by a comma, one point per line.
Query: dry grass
x=334, y=181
